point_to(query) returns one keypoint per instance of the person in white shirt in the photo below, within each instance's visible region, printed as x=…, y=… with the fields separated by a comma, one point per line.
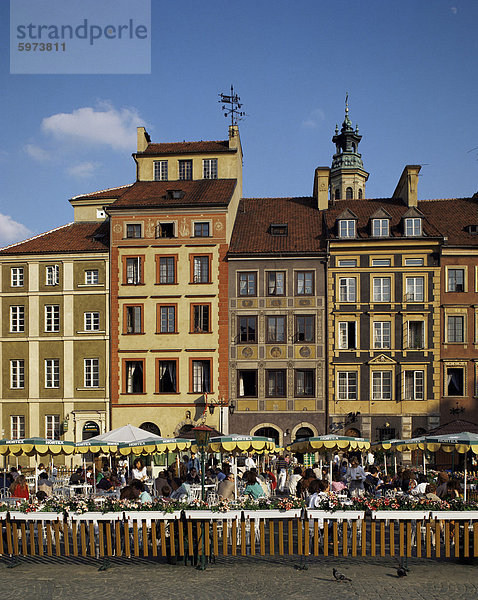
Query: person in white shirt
x=250, y=463
x=139, y=471
x=355, y=477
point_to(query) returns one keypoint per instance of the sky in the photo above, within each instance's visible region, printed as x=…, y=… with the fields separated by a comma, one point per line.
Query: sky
x=409, y=69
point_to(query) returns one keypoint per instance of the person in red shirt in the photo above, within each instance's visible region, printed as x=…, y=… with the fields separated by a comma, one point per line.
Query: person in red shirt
x=19, y=488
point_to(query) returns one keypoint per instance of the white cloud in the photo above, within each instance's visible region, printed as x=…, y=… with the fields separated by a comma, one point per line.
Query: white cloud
x=315, y=118
x=37, y=152
x=11, y=231
x=454, y=10
x=83, y=170
x=104, y=125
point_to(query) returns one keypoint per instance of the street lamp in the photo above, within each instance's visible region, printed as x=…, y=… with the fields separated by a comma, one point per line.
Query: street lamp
x=202, y=433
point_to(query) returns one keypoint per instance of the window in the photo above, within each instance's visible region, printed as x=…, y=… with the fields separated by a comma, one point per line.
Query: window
x=201, y=318
x=304, y=285
x=380, y=227
x=201, y=269
x=52, y=318
x=347, y=289
x=275, y=283
x=201, y=374
x=337, y=194
x=134, y=374
x=413, y=385
x=16, y=276
x=275, y=329
x=91, y=277
x=382, y=334
x=414, y=262
x=382, y=289
x=304, y=328
x=52, y=373
x=279, y=229
x=415, y=333
x=133, y=270
x=347, y=229
x=247, y=383
x=167, y=319
x=415, y=289
x=134, y=320
x=247, y=284
x=133, y=230
x=92, y=372
x=275, y=383
x=247, y=330
x=455, y=329
x=381, y=262
x=201, y=229
x=455, y=381
x=17, y=374
x=455, y=280
x=167, y=269
x=17, y=319
x=92, y=321
x=347, y=335
x=381, y=385
x=304, y=383
x=17, y=427
x=413, y=227
x=349, y=193
x=164, y=230
x=52, y=427
x=209, y=168
x=160, y=170
x=347, y=385
x=347, y=262
x=52, y=275
x=185, y=169
x=386, y=433
x=167, y=377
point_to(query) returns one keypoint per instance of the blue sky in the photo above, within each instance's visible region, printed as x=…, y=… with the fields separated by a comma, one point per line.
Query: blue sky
x=409, y=68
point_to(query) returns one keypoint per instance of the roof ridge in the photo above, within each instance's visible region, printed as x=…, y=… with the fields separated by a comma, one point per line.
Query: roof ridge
x=118, y=187
x=39, y=235
x=192, y=142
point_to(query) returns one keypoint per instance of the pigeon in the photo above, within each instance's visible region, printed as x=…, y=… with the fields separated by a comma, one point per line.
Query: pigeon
x=401, y=572
x=339, y=576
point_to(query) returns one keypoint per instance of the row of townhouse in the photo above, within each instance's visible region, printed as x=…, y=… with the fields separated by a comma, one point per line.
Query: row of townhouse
x=174, y=301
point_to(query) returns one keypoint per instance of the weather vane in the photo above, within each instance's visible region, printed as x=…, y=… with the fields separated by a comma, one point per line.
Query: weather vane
x=231, y=105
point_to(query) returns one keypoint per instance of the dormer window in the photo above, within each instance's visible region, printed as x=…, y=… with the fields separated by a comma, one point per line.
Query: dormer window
x=185, y=169
x=209, y=168
x=413, y=227
x=380, y=228
x=279, y=229
x=347, y=228
x=472, y=229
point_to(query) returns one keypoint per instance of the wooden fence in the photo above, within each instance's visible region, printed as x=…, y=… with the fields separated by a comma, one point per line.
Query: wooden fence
x=264, y=536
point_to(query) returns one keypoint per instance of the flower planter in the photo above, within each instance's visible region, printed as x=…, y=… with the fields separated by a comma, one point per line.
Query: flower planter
x=401, y=515
x=273, y=514
x=36, y=516
x=203, y=514
x=338, y=515
x=456, y=515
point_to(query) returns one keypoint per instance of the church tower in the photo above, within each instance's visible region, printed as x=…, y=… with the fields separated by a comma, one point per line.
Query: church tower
x=347, y=175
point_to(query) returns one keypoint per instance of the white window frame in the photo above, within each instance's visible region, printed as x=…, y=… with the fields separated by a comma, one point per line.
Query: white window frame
x=347, y=289
x=409, y=340
x=16, y=276
x=305, y=283
x=91, y=321
x=381, y=262
x=201, y=376
x=160, y=170
x=52, y=275
x=417, y=385
x=209, y=168
x=52, y=318
x=17, y=374
x=412, y=289
x=343, y=332
x=185, y=169
x=380, y=291
x=414, y=262
x=451, y=283
x=17, y=427
x=133, y=270
x=52, y=373
x=167, y=318
x=380, y=227
x=201, y=274
x=381, y=388
x=413, y=226
x=91, y=370
x=382, y=335
x=462, y=318
x=17, y=318
x=347, y=228
x=347, y=385
x=52, y=427
x=347, y=262
x=91, y=277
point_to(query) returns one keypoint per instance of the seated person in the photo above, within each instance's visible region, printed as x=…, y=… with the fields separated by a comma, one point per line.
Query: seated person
x=129, y=493
x=161, y=482
x=337, y=485
x=253, y=487
x=193, y=476
x=44, y=484
x=77, y=476
x=372, y=480
x=19, y=488
x=144, y=496
x=430, y=492
x=226, y=488
x=105, y=483
x=182, y=492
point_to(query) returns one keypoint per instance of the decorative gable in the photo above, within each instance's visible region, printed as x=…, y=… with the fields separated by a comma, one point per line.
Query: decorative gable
x=382, y=359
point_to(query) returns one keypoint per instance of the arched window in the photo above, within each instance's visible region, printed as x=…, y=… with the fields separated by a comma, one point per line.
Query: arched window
x=360, y=194
x=352, y=432
x=303, y=432
x=150, y=428
x=90, y=429
x=349, y=193
x=270, y=432
x=337, y=194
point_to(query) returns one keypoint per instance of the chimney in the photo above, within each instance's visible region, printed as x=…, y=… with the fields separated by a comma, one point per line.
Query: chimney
x=143, y=139
x=407, y=186
x=321, y=187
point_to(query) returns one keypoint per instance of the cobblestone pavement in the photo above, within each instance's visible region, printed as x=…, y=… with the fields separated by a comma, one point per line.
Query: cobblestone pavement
x=241, y=578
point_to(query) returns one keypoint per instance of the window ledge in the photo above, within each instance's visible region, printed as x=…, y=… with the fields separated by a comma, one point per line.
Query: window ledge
x=92, y=331
x=80, y=285
x=88, y=389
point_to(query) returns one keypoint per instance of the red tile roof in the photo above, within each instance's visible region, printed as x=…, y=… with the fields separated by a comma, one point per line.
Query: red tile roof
x=74, y=237
x=452, y=217
x=106, y=194
x=149, y=194
x=457, y=426
x=188, y=147
x=252, y=235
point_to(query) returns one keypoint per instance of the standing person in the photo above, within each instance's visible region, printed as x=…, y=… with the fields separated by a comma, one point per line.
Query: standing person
x=250, y=463
x=293, y=481
x=194, y=463
x=370, y=458
x=281, y=466
x=355, y=477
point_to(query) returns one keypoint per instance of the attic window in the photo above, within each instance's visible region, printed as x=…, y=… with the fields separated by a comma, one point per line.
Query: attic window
x=346, y=228
x=278, y=229
x=175, y=194
x=472, y=229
